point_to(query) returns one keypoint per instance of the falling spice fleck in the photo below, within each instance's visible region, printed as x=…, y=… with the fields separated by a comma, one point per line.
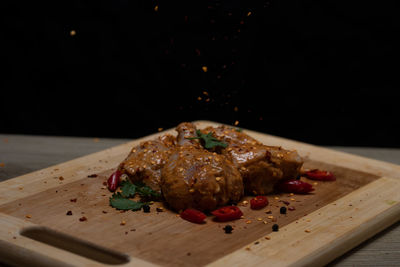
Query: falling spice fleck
x=82, y=219
x=236, y=123
x=199, y=98
x=72, y=33
x=2, y=164
x=156, y=8
x=69, y=213
x=249, y=13
x=204, y=68
x=160, y=129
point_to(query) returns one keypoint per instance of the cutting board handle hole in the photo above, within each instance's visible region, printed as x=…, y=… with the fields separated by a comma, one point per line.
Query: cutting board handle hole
x=74, y=245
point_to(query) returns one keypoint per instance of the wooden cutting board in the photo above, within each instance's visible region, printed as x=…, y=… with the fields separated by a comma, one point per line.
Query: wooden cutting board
x=36, y=230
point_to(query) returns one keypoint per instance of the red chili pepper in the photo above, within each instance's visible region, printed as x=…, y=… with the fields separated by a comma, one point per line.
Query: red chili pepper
x=258, y=202
x=320, y=175
x=113, y=181
x=294, y=186
x=228, y=213
x=193, y=216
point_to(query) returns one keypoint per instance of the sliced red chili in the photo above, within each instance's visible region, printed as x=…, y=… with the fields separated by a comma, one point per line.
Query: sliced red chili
x=113, y=180
x=193, y=216
x=258, y=202
x=320, y=175
x=228, y=213
x=294, y=186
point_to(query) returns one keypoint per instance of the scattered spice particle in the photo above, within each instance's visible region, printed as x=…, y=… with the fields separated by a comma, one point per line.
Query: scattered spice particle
x=248, y=221
x=69, y=213
x=92, y=175
x=156, y=8
x=60, y=178
x=204, y=68
x=291, y=208
x=307, y=231
x=160, y=129
x=275, y=228
x=20, y=188
x=28, y=216
x=276, y=198
x=270, y=217
x=159, y=209
x=265, y=222
x=236, y=123
x=249, y=13
x=199, y=98
x=292, y=199
x=228, y=229
x=14, y=237
x=267, y=237
x=123, y=222
x=82, y=219
x=282, y=210
x=73, y=200
x=126, y=233
x=268, y=211
x=256, y=243
x=104, y=211
x=188, y=254
x=247, y=248
x=72, y=33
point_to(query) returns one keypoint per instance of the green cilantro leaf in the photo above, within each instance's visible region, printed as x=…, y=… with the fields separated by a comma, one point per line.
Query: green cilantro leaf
x=145, y=191
x=128, y=189
x=120, y=203
x=209, y=140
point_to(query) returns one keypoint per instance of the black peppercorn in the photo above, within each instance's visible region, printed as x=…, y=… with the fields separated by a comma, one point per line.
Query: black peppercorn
x=275, y=228
x=146, y=208
x=283, y=210
x=228, y=229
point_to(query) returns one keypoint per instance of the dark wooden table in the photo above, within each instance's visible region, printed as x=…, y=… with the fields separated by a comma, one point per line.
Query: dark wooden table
x=21, y=154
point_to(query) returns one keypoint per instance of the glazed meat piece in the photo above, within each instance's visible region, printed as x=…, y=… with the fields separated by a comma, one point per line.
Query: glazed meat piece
x=145, y=161
x=187, y=130
x=195, y=177
x=261, y=166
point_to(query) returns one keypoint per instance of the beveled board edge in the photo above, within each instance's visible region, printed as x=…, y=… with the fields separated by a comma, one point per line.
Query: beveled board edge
x=323, y=235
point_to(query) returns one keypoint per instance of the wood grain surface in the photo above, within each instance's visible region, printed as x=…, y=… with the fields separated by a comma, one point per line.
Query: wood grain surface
x=155, y=237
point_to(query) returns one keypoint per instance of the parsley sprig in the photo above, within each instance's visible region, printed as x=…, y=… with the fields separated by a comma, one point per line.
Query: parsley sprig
x=209, y=140
x=121, y=200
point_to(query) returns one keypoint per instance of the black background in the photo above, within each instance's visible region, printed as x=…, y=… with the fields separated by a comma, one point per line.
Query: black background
x=322, y=72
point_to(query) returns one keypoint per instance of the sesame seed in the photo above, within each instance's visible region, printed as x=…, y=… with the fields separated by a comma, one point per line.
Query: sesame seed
x=307, y=231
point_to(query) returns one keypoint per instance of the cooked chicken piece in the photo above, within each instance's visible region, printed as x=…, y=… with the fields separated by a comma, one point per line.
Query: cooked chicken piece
x=187, y=130
x=145, y=161
x=195, y=177
x=261, y=166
